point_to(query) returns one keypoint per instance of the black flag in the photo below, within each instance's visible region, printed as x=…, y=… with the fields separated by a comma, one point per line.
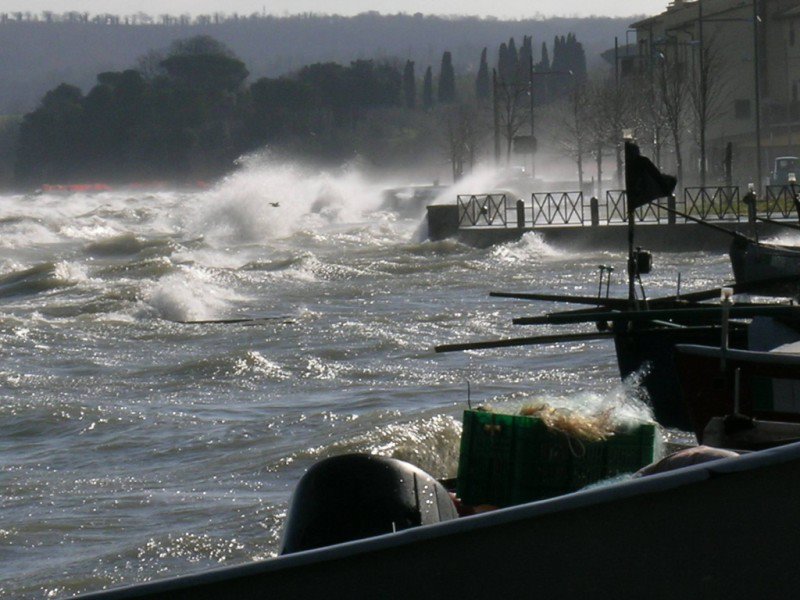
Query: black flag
x=643, y=181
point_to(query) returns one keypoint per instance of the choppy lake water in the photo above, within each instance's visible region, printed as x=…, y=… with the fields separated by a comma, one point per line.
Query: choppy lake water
x=139, y=439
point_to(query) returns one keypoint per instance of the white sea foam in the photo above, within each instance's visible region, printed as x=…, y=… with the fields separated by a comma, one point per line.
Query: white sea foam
x=530, y=247
x=70, y=272
x=189, y=295
x=27, y=233
x=787, y=238
x=624, y=403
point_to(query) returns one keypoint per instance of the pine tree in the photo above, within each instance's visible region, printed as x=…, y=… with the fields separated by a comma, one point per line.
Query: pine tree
x=447, y=80
x=427, y=89
x=409, y=85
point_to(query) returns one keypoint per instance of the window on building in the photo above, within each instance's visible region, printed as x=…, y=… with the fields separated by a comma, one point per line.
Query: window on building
x=741, y=109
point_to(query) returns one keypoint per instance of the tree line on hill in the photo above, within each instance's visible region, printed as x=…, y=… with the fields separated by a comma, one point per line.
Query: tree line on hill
x=40, y=50
x=189, y=114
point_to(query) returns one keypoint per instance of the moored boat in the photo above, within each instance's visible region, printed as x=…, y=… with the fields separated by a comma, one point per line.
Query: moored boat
x=775, y=266
x=747, y=387
x=719, y=529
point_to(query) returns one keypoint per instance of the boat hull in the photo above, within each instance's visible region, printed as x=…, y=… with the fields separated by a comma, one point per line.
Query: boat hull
x=723, y=529
x=753, y=261
x=651, y=351
x=768, y=384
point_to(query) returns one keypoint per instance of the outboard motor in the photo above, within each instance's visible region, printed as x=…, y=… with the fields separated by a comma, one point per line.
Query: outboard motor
x=644, y=261
x=355, y=496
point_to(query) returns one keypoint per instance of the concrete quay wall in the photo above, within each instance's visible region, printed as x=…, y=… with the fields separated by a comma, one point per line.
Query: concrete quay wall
x=661, y=237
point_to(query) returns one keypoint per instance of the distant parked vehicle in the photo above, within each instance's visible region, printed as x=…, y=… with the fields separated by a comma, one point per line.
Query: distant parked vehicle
x=785, y=166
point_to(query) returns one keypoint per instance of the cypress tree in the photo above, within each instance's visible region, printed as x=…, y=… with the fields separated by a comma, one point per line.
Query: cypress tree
x=427, y=89
x=447, y=80
x=544, y=63
x=513, y=59
x=525, y=57
x=543, y=85
x=483, y=87
x=409, y=85
x=577, y=58
x=503, y=63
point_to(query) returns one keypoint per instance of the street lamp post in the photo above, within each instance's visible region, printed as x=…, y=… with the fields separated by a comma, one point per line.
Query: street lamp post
x=757, y=73
x=757, y=83
x=703, y=96
x=533, y=139
x=531, y=74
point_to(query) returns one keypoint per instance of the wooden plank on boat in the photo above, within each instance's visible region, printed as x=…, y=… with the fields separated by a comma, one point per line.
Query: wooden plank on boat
x=690, y=314
x=525, y=341
x=235, y=320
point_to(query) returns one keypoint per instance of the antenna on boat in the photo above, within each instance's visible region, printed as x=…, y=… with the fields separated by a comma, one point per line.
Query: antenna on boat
x=602, y=269
x=727, y=300
x=795, y=200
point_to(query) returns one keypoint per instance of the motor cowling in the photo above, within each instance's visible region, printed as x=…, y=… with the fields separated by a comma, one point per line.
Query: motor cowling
x=643, y=260
x=355, y=496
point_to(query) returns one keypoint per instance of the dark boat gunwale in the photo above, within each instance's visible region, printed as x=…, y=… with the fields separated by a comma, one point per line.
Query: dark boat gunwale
x=651, y=486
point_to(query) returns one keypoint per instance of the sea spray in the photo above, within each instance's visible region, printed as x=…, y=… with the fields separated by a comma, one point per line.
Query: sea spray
x=270, y=198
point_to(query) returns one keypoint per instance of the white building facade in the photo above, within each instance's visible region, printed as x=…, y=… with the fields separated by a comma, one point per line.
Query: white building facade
x=745, y=54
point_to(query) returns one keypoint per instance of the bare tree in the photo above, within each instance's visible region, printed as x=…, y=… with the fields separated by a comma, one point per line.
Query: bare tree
x=672, y=86
x=149, y=64
x=512, y=100
x=648, y=120
x=706, y=94
x=602, y=121
x=570, y=127
x=461, y=136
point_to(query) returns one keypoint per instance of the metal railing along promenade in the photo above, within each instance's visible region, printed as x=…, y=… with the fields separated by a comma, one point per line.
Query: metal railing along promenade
x=544, y=209
x=483, y=210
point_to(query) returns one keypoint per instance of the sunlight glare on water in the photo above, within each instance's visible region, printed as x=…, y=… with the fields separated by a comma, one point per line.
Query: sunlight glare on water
x=173, y=361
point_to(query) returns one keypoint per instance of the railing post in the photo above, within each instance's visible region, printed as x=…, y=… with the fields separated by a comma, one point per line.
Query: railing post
x=671, y=206
x=594, y=211
x=520, y=213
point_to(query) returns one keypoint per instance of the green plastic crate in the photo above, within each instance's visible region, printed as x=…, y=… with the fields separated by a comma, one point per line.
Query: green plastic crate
x=510, y=459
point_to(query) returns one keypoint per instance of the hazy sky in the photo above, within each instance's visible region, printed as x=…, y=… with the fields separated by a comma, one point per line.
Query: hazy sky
x=502, y=10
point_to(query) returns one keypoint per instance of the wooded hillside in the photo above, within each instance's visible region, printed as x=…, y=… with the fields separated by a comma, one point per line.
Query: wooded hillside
x=38, y=52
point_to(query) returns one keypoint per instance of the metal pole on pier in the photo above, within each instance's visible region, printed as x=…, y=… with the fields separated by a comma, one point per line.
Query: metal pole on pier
x=496, y=118
x=630, y=150
x=757, y=74
x=631, y=258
